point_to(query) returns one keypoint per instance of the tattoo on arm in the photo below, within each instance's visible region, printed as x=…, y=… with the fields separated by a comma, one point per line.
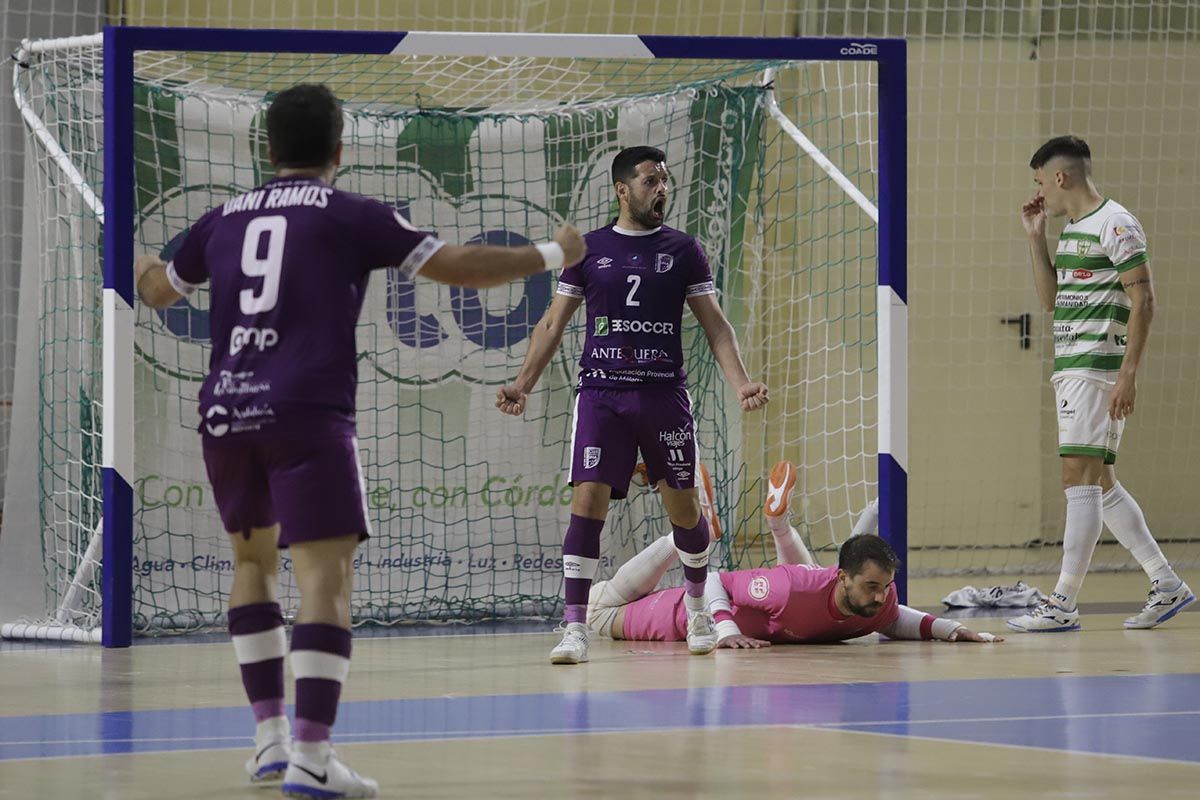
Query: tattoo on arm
x=1138, y=282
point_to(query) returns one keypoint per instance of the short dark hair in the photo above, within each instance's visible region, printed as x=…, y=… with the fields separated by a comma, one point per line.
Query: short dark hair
x=858, y=550
x=625, y=164
x=304, y=126
x=1066, y=146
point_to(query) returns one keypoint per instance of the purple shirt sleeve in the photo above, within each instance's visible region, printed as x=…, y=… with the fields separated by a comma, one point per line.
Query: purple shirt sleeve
x=571, y=282
x=700, y=279
x=387, y=239
x=188, y=268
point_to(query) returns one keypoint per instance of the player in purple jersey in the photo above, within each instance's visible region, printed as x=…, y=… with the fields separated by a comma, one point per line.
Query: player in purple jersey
x=796, y=601
x=632, y=386
x=288, y=264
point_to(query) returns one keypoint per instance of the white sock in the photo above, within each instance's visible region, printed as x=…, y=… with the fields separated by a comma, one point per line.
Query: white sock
x=638, y=576
x=1085, y=523
x=789, y=547
x=868, y=520
x=1125, y=519
x=273, y=729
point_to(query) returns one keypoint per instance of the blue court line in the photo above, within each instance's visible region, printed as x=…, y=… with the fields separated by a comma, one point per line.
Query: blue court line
x=1150, y=716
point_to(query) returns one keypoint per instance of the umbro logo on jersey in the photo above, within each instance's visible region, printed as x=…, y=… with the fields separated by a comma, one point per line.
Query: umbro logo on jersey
x=604, y=263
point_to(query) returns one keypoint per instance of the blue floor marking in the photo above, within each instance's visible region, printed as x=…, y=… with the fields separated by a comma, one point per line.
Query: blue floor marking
x=1134, y=715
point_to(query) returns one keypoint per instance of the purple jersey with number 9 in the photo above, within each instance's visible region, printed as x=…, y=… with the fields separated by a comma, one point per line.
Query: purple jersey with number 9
x=288, y=265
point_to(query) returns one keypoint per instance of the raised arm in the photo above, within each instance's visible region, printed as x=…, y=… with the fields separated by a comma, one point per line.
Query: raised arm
x=543, y=343
x=723, y=343
x=481, y=266
x=1033, y=218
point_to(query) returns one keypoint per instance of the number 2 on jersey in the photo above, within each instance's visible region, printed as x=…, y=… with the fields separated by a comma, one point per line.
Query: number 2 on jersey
x=636, y=280
x=267, y=268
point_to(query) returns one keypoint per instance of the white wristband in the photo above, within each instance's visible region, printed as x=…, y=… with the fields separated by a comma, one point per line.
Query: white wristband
x=727, y=627
x=552, y=254
x=944, y=628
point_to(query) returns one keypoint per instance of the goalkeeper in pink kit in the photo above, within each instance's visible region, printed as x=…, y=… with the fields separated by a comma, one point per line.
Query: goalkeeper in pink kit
x=796, y=601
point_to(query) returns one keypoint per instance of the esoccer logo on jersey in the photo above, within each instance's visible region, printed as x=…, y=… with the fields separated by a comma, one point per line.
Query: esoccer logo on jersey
x=641, y=326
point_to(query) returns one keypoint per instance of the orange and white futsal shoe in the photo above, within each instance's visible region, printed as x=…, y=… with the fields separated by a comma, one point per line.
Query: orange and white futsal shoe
x=779, y=489
x=708, y=503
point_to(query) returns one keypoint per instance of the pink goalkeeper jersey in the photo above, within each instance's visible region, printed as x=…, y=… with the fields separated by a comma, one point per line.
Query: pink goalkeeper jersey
x=784, y=604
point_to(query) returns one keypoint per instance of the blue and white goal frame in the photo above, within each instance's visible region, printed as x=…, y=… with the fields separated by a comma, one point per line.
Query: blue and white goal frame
x=120, y=44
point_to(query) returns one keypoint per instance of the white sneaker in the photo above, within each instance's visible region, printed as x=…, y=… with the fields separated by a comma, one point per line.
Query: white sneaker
x=324, y=777
x=573, y=649
x=702, y=633
x=1161, y=606
x=272, y=750
x=1046, y=618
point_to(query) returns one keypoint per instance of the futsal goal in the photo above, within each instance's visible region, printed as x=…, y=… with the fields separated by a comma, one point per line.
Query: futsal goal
x=787, y=159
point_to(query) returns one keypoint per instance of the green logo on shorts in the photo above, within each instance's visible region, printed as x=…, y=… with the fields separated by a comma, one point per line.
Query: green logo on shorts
x=601, y=327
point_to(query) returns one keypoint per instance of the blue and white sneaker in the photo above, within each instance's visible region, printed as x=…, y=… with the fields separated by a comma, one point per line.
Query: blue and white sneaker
x=272, y=749
x=1161, y=605
x=1046, y=618
x=324, y=777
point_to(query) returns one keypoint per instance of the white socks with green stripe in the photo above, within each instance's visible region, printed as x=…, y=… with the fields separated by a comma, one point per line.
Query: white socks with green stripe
x=1125, y=519
x=1085, y=523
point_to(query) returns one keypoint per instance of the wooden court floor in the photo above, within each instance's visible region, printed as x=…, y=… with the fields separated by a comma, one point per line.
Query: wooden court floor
x=1103, y=713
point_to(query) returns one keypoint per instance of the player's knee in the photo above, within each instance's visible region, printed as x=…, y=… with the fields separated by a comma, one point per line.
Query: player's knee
x=327, y=582
x=1081, y=471
x=263, y=559
x=685, y=514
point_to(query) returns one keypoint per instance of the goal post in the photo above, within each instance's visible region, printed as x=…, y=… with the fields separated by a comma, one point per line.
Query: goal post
x=729, y=186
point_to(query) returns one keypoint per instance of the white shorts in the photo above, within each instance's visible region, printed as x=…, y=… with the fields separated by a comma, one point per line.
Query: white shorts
x=1084, y=427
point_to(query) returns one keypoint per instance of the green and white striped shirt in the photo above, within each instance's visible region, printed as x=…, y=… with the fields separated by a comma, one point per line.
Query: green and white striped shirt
x=1091, y=309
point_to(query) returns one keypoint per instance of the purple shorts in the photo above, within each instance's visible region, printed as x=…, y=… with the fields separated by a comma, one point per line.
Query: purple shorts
x=611, y=425
x=311, y=485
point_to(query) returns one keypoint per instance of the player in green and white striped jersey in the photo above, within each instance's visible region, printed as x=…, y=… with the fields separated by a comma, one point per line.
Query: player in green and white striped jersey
x=1100, y=291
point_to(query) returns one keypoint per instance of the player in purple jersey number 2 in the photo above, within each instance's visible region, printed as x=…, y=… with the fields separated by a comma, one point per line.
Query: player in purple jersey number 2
x=296, y=482
x=636, y=279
